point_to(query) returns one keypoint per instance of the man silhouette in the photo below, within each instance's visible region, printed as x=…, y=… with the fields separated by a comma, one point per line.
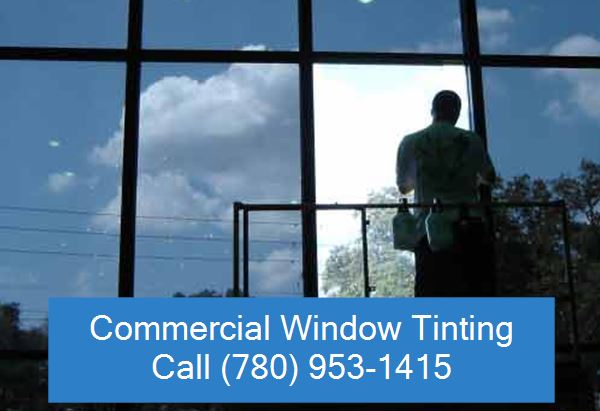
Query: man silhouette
x=449, y=164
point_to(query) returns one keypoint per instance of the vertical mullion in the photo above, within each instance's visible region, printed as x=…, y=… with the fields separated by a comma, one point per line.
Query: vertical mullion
x=130, y=151
x=471, y=46
x=307, y=150
x=472, y=50
x=470, y=35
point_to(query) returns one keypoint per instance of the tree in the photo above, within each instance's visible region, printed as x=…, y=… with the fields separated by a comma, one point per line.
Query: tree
x=205, y=293
x=21, y=382
x=529, y=248
x=391, y=272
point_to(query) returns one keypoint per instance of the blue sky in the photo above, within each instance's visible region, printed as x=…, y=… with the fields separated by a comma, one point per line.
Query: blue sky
x=215, y=133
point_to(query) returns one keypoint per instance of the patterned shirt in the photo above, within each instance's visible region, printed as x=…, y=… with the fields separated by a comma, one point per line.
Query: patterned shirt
x=444, y=162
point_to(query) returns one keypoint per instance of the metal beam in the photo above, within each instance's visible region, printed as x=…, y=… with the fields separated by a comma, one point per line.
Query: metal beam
x=537, y=61
x=236, y=249
x=307, y=151
x=130, y=151
x=425, y=59
x=62, y=54
x=293, y=57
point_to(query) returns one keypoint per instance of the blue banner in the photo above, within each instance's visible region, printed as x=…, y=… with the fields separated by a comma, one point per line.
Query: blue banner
x=231, y=350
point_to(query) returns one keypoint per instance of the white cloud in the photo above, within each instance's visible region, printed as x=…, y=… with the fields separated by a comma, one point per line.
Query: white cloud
x=584, y=83
x=441, y=46
x=493, y=32
x=493, y=27
x=557, y=111
x=235, y=136
x=205, y=144
x=61, y=182
x=164, y=194
x=92, y=282
x=280, y=275
x=490, y=18
x=577, y=45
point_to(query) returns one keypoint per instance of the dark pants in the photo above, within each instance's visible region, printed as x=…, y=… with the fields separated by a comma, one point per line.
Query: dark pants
x=465, y=270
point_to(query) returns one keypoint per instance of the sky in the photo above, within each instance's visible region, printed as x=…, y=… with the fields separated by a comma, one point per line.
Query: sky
x=215, y=133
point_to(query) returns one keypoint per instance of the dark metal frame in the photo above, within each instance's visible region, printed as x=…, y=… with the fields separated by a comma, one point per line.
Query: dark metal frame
x=134, y=55
x=246, y=209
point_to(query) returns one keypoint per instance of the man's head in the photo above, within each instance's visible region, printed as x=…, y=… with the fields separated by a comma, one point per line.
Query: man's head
x=446, y=107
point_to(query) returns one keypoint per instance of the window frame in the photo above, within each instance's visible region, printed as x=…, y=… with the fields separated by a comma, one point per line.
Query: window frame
x=134, y=55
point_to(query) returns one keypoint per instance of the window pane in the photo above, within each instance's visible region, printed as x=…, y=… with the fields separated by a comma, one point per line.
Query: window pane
x=57, y=237
x=361, y=115
x=542, y=125
x=340, y=259
x=223, y=24
x=387, y=25
x=275, y=254
x=66, y=23
x=212, y=135
x=539, y=27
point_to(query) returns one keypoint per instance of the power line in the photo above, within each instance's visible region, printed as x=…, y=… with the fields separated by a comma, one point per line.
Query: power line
x=105, y=256
x=145, y=236
x=197, y=219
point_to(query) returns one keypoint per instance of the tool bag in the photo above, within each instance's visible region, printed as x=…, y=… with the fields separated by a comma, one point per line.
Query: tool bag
x=404, y=228
x=452, y=227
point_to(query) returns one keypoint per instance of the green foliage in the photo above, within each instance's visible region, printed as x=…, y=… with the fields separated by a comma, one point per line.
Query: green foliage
x=391, y=272
x=529, y=248
x=204, y=294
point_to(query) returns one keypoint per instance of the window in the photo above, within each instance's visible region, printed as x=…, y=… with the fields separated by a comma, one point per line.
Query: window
x=424, y=26
x=64, y=23
x=539, y=27
x=57, y=235
x=221, y=24
x=211, y=135
x=361, y=115
x=540, y=155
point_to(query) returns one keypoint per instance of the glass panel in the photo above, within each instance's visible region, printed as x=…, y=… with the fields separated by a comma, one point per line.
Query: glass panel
x=340, y=257
x=549, y=150
x=361, y=115
x=223, y=24
x=387, y=25
x=210, y=135
x=57, y=235
x=275, y=254
x=539, y=27
x=341, y=267
x=65, y=23
x=392, y=272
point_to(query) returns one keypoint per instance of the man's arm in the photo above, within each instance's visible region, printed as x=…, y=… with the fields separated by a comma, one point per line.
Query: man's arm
x=405, y=167
x=487, y=174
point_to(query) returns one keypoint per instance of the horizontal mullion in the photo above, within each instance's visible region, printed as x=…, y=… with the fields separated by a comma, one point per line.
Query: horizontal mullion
x=292, y=57
x=62, y=54
x=339, y=57
x=539, y=61
x=218, y=56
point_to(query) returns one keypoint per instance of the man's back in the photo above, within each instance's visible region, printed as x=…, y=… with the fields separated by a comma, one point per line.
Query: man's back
x=448, y=163
x=444, y=162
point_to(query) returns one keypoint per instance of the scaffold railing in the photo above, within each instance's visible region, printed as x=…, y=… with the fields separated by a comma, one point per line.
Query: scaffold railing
x=242, y=211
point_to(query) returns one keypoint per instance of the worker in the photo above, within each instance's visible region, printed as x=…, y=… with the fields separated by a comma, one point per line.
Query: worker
x=447, y=164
